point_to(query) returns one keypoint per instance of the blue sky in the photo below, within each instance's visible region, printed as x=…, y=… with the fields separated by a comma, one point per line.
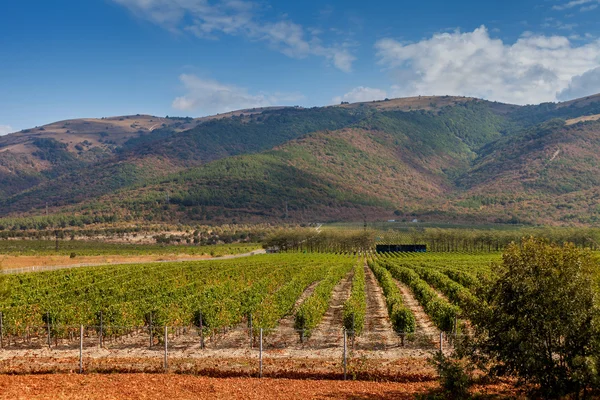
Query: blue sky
x=65, y=59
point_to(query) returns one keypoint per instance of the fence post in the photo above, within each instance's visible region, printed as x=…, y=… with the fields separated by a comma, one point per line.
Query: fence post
x=201, y=332
x=260, y=371
x=101, y=329
x=345, y=349
x=166, y=348
x=1, y=330
x=151, y=333
x=441, y=342
x=353, y=333
x=48, y=327
x=250, y=328
x=81, y=349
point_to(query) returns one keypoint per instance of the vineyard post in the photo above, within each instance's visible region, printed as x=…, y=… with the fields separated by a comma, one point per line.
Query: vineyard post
x=151, y=336
x=344, y=359
x=201, y=331
x=101, y=329
x=441, y=342
x=1, y=330
x=251, y=334
x=260, y=360
x=166, y=348
x=81, y=349
x=48, y=328
x=353, y=333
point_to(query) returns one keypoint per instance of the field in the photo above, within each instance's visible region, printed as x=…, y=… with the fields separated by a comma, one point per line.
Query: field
x=295, y=315
x=24, y=254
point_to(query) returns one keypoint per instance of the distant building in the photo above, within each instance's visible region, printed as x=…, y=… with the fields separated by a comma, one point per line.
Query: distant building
x=401, y=248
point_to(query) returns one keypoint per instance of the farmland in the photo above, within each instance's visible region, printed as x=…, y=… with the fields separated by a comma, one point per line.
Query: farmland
x=388, y=310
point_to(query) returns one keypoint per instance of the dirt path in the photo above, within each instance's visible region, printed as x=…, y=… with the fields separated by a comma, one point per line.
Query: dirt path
x=425, y=329
x=329, y=333
x=378, y=332
x=285, y=335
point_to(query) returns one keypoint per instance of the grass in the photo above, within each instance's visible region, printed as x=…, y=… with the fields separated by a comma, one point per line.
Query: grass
x=95, y=248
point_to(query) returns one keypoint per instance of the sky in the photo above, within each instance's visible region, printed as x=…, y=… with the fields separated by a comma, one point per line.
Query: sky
x=66, y=59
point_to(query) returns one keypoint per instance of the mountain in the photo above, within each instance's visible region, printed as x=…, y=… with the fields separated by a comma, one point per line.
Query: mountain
x=437, y=158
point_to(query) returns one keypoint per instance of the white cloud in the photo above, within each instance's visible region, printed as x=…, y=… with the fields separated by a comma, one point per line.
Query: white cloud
x=361, y=94
x=532, y=70
x=210, y=97
x=5, y=129
x=239, y=18
x=582, y=85
x=577, y=3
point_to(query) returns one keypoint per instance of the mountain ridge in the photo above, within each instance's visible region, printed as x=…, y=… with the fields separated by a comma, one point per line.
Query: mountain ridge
x=443, y=157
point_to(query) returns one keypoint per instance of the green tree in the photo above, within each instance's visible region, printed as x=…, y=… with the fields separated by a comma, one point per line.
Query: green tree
x=539, y=321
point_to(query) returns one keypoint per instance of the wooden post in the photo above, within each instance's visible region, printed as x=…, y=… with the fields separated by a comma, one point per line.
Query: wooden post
x=166, y=349
x=48, y=327
x=201, y=331
x=101, y=329
x=345, y=349
x=151, y=333
x=81, y=349
x=250, y=329
x=260, y=371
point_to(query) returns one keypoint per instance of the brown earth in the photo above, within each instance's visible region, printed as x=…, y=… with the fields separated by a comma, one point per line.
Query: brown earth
x=8, y=262
x=425, y=327
x=174, y=386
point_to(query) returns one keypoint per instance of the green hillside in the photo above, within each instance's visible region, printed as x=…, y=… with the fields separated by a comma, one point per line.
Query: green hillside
x=447, y=159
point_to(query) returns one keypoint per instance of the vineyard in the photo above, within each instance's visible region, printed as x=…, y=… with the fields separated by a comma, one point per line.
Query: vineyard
x=377, y=310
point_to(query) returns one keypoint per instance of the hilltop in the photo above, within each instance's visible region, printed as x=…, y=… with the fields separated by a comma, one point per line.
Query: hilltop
x=435, y=158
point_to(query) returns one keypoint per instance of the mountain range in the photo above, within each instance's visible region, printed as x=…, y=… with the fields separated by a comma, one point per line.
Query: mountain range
x=442, y=159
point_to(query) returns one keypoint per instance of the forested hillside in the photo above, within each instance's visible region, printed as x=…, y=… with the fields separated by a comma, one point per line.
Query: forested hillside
x=444, y=159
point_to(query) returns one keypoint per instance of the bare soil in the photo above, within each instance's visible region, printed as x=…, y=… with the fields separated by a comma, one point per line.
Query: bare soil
x=379, y=333
x=286, y=335
x=153, y=386
x=425, y=327
x=329, y=333
x=176, y=386
x=33, y=263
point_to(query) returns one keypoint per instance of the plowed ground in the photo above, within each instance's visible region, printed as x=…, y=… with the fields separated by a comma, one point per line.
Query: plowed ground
x=172, y=386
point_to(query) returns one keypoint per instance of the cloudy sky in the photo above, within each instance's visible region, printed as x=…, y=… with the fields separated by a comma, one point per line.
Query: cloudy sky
x=65, y=59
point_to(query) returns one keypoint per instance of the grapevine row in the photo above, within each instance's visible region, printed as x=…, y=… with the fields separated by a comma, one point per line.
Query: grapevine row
x=441, y=312
x=403, y=320
x=355, y=308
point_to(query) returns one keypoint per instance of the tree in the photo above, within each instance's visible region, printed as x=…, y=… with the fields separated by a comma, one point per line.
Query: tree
x=538, y=322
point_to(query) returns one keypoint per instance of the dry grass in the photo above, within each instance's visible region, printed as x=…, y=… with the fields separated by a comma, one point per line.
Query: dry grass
x=582, y=119
x=12, y=262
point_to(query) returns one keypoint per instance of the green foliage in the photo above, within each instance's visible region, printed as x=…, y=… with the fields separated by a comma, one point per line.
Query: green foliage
x=270, y=311
x=324, y=241
x=312, y=310
x=355, y=308
x=455, y=376
x=439, y=310
x=536, y=114
x=224, y=291
x=218, y=138
x=540, y=321
x=403, y=320
x=455, y=292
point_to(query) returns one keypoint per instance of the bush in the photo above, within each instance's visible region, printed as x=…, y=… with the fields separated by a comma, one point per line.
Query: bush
x=540, y=321
x=455, y=376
